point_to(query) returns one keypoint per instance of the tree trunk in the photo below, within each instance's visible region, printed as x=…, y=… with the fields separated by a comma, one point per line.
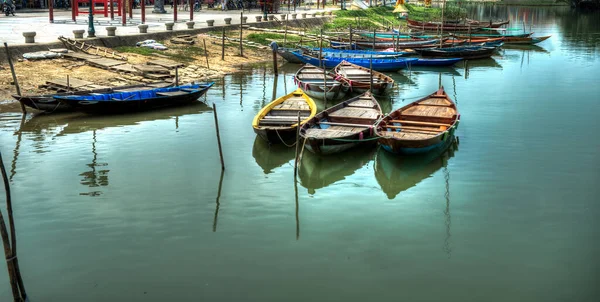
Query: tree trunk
x=159, y=7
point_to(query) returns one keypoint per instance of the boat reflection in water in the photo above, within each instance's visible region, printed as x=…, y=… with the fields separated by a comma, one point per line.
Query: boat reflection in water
x=399, y=173
x=269, y=157
x=42, y=126
x=317, y=172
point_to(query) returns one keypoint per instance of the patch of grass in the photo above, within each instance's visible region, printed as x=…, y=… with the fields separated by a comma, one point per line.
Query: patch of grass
x=421, y=13
x=265, y=39
x=144, y=51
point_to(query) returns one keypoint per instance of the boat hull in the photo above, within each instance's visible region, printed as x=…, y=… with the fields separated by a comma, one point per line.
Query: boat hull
x=44, y=103
x=484, y=52
x=415, y=147
x=277, y=136
x=125, y=106
x=436, y=62
x=289, y=56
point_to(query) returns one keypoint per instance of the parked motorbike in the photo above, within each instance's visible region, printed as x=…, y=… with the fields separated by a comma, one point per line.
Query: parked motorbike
x=9, y=9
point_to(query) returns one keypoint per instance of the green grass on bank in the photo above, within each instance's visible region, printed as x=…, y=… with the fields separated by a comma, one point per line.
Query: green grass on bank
x=266, y=38
x=421, y=13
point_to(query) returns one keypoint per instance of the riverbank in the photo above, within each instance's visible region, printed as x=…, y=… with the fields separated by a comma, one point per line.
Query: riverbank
x=200, y=64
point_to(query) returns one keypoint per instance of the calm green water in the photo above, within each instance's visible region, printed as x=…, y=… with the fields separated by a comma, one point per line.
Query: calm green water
x=128, y=208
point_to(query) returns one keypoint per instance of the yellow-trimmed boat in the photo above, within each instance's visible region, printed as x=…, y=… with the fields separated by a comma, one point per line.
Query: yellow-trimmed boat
x=277, y=121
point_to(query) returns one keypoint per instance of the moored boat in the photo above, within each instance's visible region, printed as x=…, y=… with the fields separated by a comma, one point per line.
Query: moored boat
x=135, y=99
x=277, y=121
x=318, y=84
x=343, y=126
x=420, y=126
x=46, y=102
x=436, y=62
x=359, y=79
x=525, y=40
x=391, y=64
x=287, y=54
x=464, y=52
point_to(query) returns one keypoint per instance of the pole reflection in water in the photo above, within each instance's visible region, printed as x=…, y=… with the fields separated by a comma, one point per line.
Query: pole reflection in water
x=13, y=166
x=94, y=178
x=275, y=78
x=218, y=203
x=297, y=210
x=448, y=221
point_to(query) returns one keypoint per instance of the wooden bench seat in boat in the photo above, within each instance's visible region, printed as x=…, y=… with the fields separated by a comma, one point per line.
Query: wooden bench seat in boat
x=344, y=124
x=419, y=123
x=326, y=133
x=408, y=128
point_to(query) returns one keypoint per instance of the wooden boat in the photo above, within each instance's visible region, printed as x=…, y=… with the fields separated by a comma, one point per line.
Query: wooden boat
x=464, y=52
x=489, y=24
x=311, y=80
x=343, y=126
x=46, y=102
x=359, y=79
x=277, y=121
x=393, y=64
x=420, y=126
x=135, y=100
x=494, y=34
x=356, y=51
x=354, y=54
x=436, y=62
x=385, y=45
x=287, y=54
x=525, y=40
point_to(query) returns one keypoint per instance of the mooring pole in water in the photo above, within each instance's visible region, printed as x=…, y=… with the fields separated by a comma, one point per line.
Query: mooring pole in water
x=274, y=50
x=350, y=30
x=439, y=80
x=218, y=136
x=371, y=73
x=241, y=29
x=374, y=33
x=321, y=63
x=68, y=84
x=14, y=75
x=325, y=86
x=176, y=76
x=10, y=247
x=223, y=44
x=206, y=53
x=297, y=147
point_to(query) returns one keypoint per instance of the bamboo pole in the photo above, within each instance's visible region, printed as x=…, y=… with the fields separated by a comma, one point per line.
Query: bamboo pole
x=371, y=73
x=285, y=34
x=218, y=136
x=14, y=76
x=223, y=44
x=10, y=247
x=241, y=30
x=205, y=52
x=350, y=29
x=325, y=86
x=442, y=25
x=374, y=34
x=176, y=76
x=274, y=60
x=321, y=63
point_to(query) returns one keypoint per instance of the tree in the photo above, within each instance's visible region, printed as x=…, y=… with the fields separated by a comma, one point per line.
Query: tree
x=159, y=7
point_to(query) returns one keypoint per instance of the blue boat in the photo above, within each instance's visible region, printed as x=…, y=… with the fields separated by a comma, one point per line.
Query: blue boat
x=136, y=100
x=378, y=64
x=361, y=52
x=435, y=62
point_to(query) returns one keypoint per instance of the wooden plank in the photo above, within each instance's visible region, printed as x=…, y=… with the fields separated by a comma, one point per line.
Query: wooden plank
x=345, y=124
x=73, y=82
x=105, y=62
x=151, y=69
x=80, y=56
x=165, y=63
x=326, y=133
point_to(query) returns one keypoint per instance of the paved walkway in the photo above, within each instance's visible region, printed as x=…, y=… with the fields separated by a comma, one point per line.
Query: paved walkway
x=12, y=28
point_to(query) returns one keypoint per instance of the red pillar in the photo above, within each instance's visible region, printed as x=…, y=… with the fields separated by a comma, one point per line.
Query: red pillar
x=191, y=6
x=124, y=12
x=74, y=9
x=143, y=2
x=174, y=10
x=112, y=10
x=51, y=8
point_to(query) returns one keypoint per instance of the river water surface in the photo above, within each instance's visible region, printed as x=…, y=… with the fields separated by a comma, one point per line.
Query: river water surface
x=128, y=208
